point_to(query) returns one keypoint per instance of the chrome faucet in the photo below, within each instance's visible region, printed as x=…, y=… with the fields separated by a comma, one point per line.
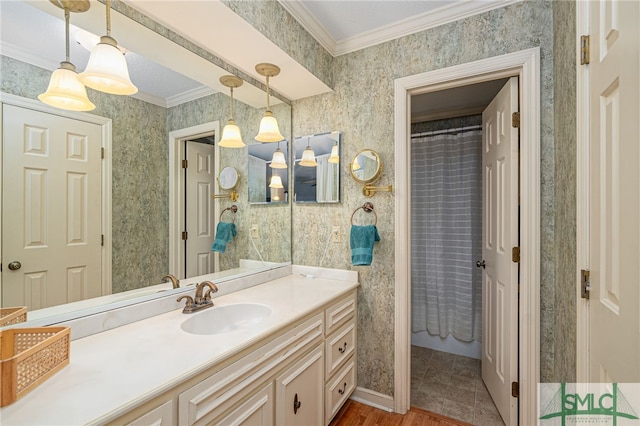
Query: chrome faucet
x=199, y=301
x=174, y=281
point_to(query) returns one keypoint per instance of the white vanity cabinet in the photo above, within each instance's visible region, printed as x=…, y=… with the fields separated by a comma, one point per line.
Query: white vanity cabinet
x=300, y=375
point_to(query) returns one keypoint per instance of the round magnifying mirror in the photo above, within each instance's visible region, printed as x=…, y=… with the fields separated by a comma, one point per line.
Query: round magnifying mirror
x=228, y=178
x=366, y=166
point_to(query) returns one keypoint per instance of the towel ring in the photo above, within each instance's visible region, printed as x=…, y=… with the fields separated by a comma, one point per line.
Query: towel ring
x=367, y=207
x=233, y=209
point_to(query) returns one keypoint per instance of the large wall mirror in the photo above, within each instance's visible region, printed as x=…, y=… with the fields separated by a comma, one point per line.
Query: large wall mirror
x=141, y=152
x=268, y=173
x=317, y=168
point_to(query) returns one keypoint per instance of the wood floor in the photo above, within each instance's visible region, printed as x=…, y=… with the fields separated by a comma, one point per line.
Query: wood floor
x=354, y=413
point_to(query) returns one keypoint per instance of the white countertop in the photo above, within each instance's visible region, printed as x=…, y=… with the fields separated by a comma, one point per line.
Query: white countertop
x=116, y=370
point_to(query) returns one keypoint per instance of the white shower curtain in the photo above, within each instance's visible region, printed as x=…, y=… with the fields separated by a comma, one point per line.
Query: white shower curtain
x=446, y=240
x=326, y=178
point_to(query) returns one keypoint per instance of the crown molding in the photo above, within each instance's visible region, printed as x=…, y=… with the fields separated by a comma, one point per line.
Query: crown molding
x=443, y=15
x=189, y=95
x=18, y=53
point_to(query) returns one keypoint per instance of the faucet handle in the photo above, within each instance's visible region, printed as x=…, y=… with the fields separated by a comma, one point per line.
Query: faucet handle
x=189, y=300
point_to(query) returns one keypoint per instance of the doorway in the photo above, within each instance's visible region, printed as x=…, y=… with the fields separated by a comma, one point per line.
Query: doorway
x=524, y=65
x=204, y=211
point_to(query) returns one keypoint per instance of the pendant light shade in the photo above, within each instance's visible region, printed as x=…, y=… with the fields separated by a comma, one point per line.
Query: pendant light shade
x=107, y=68
x=308, y=157
x=278, y=161
x=355, y=165
x=65, y=91
x=269, y=131
x=334, y=157
x=231, y=137
x=275, y=182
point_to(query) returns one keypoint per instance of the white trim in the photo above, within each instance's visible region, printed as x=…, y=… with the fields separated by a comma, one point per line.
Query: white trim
x=176, y=190
x=582, y=197
x=105, y=123
x=526, y=65
x=372, y=398
x=431, y=19
x=18, y=53
x=189, y=95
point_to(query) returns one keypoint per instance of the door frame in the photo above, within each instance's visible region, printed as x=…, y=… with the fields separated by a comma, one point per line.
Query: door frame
x=176, y=189
x=524, y=64
x=105, y=124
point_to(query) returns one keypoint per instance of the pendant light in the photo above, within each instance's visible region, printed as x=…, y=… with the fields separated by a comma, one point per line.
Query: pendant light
x=65, y=91
x=269, y=131
x=355, y=165
x=231, y=137
x=107, y=68
x=278, y=161
x=334, y=157
x=276, y=181
x=308, y=156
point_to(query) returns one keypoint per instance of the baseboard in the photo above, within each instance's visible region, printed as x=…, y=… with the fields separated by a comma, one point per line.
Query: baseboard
x=372, y=398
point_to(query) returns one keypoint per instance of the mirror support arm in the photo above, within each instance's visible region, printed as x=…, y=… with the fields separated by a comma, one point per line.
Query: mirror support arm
x=370, y=191
x=233, y=195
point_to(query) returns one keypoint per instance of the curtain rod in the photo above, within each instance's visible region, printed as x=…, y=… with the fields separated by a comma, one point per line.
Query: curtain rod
x=442, y=132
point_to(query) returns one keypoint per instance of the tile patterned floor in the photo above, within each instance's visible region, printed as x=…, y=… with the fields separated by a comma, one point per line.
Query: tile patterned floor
x=451, y=385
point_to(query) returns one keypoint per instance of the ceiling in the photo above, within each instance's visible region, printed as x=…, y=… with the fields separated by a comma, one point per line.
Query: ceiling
x=33, y=31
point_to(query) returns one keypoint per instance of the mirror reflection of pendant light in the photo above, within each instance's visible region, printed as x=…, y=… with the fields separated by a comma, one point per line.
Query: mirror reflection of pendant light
x=355, y=165
x=107, y=68
x=278, y=161
x=276, y=181
x=334, y=157
x=65, y=91
x=269, y=131
x=308, y=156
x=231, y=137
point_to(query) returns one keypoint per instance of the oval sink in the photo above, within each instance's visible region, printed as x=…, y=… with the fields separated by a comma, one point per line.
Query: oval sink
x=223, y=319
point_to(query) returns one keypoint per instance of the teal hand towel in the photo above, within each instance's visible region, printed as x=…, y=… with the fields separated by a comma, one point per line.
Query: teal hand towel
x=362, y=239
x=225, y=232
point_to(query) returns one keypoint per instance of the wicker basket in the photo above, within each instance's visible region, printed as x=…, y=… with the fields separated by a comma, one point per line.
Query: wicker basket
x=29, y=356
x=11, y=316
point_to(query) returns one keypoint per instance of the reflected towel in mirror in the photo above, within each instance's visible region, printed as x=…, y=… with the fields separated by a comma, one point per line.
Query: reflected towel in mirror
x=361, y=240
x=225, y=231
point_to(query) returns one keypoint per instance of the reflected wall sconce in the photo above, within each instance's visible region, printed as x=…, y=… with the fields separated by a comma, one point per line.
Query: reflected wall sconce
x=269, y=131
x=308, y=156
x=65, y=90
x=107, y=68
x=278, y=161
x=334, y=157
x=231, y=137
x=276, y=181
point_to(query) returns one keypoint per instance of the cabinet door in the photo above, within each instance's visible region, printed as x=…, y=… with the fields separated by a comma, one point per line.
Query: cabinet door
x=161, y=416
x=255, y=411
x=299, y=392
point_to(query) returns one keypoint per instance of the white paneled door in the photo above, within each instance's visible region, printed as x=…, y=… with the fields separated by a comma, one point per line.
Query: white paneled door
x=614, y=191
x=52, y=208
x=500, y=276
x=199, y=208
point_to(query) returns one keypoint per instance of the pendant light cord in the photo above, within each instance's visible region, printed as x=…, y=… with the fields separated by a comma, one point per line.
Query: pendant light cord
x=268, y=104
x=108, y=4
x=231, y=105
x=66, y=33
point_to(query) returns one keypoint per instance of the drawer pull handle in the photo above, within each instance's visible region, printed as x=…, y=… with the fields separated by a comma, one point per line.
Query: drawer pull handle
x=343, y=348
x=296, y=404
x=344, y=389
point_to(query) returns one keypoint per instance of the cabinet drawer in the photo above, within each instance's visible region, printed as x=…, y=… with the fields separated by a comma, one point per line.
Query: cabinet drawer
x=339, y=389
x=161, y=416
x=339, y=346
x=340, y=312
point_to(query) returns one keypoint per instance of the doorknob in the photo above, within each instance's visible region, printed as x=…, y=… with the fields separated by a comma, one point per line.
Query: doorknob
x=480, y=264
x=15, y=265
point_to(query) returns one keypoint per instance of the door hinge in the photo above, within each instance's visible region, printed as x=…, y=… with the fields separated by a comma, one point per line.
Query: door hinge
x=185, y=164
x=515, y=120
x=185, y=235
x=102, y=240
x=584, y=50
x=515, y=389
x=102, y=153
x=515, y=254
x=585, y=283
